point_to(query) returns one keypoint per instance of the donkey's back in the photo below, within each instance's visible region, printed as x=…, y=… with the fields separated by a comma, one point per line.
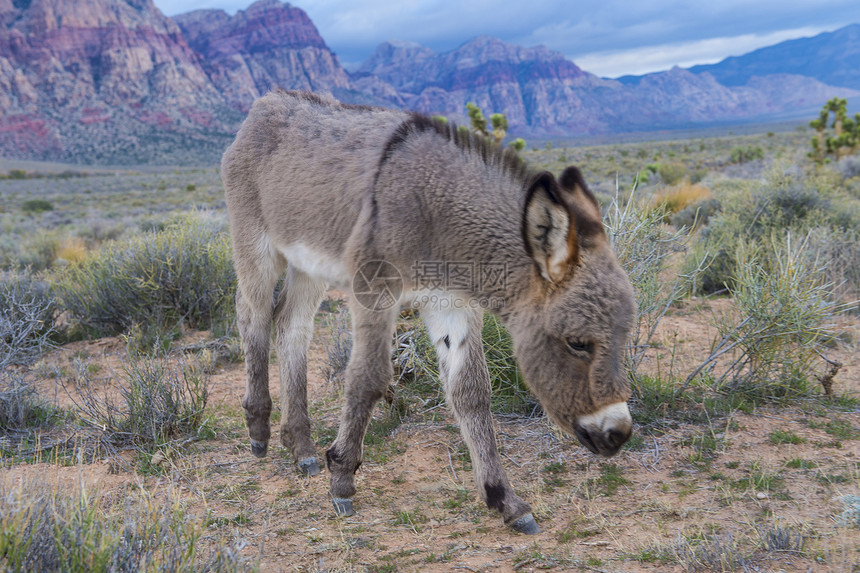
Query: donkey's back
x=297, y=173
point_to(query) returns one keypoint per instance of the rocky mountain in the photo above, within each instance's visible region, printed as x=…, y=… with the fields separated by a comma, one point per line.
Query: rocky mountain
x=536, y=88
x=115, y=81
x=266, y=46
x=543, y=93
x=98, y=79
x=832, y=58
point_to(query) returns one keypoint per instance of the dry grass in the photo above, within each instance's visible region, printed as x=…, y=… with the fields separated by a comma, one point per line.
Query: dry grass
x=72, y=250
x=677, y=197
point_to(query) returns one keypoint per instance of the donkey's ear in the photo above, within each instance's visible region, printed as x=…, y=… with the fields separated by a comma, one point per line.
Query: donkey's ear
x=549, y=231
x=583, y=204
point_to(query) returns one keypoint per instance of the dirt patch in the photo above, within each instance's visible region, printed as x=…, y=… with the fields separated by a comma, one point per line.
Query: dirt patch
x=685, y=494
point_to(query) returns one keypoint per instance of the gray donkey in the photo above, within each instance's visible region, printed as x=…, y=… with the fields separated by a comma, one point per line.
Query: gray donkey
x=398, y=209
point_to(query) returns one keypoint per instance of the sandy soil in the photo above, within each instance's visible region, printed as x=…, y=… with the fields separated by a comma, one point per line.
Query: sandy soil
x=642, y=510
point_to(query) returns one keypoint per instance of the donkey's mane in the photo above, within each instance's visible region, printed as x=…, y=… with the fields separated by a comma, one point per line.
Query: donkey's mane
x=490, y=153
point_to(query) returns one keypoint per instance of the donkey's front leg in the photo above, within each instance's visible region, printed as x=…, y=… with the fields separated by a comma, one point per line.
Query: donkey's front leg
x=457, y=336
x=367, y=377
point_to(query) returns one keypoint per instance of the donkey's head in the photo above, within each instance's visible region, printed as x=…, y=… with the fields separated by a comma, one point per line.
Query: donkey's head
x=570, y=336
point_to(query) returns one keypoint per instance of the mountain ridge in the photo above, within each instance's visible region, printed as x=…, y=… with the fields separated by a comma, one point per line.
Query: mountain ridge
x=116, y=81
x=831, y=57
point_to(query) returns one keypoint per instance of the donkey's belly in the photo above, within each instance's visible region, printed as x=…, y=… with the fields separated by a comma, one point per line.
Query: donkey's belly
x=317, y=264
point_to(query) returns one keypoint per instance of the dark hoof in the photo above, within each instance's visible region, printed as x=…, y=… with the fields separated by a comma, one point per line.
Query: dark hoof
x=342, y=506
x=526, y=524
x=309, y=466
x=259, y=448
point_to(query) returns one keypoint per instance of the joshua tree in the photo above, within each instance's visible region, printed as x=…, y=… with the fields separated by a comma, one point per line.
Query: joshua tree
x=476, y=116
x=500, y=127
x=498, y=122
x=518, y=144
x=846, y=132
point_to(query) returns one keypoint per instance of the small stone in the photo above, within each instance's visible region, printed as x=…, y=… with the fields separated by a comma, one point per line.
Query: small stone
x=761, y=495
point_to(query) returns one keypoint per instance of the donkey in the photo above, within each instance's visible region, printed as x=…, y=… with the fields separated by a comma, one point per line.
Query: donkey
x=365, y=199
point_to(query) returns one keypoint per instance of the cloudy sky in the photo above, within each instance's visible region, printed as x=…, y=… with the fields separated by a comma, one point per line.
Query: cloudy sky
x=607, y=37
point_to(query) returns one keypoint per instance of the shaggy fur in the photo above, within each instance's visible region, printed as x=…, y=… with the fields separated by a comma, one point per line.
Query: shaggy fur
x=316, y=188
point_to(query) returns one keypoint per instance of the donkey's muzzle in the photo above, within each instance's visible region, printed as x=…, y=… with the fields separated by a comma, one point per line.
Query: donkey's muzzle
x=606, y=443
x=605, y=431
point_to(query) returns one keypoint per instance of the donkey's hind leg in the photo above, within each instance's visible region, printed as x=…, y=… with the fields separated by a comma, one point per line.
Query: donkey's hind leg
x=368, y=375
x=294, y=326
x=258, y=270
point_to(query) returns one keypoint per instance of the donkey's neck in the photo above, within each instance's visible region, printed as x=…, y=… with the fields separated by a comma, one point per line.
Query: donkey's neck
x=470, y=236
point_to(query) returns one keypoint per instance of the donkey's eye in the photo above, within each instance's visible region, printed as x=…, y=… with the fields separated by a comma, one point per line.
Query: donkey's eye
x=579, y=346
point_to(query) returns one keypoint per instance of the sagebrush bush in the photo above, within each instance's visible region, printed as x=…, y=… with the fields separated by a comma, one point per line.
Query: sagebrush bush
x=45, y=530
x=21, y=407
x=782, y=203
x=837, y=252
x=338, y=346
x=782, y=321
x=157, y=402
x=35, y=250
x=848, y=167
x=644, y=247
x=696, y=214
x=27, y=319
x=155, y=280
x=672, y=173
x=714, y=552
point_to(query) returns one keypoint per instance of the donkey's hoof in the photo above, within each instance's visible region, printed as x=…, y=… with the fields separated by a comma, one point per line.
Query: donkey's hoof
x=309, y=466
x=342, y=506
x=259, y=449
x=526, y=524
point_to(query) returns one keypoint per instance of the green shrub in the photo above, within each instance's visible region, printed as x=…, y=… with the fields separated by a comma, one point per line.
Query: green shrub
x=518, y=144
x=16, y=174
x=154, y=281
x=157, y=403
x=644, y=247
x=770, y=342
x=27, y=314
x=672, y=173
x=43, y=530
x=746, y=154
x=755, y=215
x=36, y=206
x=510, y=393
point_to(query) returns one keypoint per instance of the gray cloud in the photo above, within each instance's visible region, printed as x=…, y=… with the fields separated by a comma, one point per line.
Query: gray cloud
x=614, y=37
